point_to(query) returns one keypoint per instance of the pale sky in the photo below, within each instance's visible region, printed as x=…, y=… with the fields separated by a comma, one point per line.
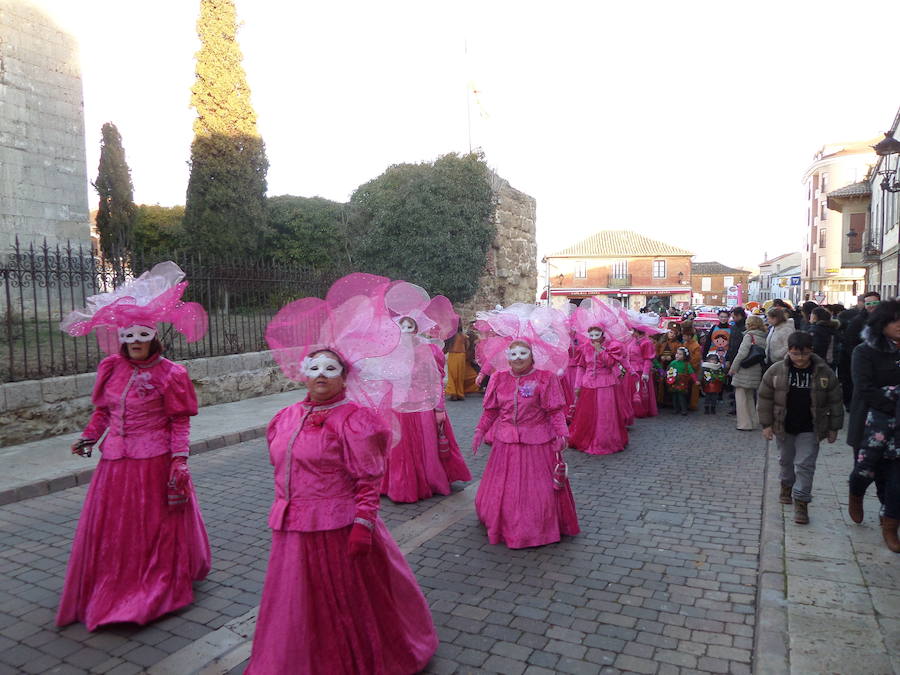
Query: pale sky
x=691, y=122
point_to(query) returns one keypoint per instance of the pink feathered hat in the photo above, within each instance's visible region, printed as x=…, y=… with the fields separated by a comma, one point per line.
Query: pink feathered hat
x=647, y=323
x=542, y=328
x=435, y=317
x=153, y=297
x=352, y=321
x=594, y=312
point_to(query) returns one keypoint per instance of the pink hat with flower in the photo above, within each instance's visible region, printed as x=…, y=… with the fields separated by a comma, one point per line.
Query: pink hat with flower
x=130, y=312
x=543, y=329
x=595, y=313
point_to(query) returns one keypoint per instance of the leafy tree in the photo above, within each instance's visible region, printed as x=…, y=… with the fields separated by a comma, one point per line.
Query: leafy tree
x=225, y=210
x=308, y=231
x=158, y=231
x=428, y=223
x=116, y=211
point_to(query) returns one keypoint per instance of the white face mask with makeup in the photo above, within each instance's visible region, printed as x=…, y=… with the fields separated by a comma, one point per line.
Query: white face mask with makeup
x=407, y=326
x=322, y=364
x=136, y=334
x=595, y=334
x=518, y=353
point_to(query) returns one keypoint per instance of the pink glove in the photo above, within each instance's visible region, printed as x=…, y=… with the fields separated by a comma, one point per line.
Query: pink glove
x=479, y=379
x=178, y=486
x=477, y=440
x=360, y=542
x=439, y=417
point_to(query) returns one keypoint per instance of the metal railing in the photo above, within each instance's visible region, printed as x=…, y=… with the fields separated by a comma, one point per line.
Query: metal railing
x=42, y=284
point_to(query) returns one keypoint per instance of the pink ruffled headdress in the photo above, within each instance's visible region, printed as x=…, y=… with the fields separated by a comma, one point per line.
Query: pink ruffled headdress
x=647, y=323
x=153, y=297
x=410, y=370
x=542, y=328
x=352, y=321
x=594, y=312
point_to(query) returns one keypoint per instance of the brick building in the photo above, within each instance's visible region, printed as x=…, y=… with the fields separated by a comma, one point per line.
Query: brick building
x=621, y=264
x=710, y=282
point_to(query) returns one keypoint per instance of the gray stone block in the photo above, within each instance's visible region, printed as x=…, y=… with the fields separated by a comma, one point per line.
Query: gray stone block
x=55, y=389
x=197, y=368
x=84, y=383
x=23, y=394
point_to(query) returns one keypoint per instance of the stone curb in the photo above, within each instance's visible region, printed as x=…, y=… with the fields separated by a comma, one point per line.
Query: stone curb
x=42, y=487
x=770, y=647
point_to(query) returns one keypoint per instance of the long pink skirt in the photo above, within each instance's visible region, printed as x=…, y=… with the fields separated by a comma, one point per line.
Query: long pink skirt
x=625, y=395
x=598, y=428
x=645, y=406
x=516, y=500
x=325, y=612
x=133, y=559
x=415, y=469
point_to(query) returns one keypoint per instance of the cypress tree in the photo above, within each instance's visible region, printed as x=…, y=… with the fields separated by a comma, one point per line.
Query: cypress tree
x=116, y=211
x=225, y=209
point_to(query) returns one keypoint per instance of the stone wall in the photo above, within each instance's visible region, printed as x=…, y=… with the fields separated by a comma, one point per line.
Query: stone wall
x=510, y=273
x=43, y=180
x=38, y=409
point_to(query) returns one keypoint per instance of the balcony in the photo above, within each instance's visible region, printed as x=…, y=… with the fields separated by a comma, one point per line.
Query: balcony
x=618, y=281
x=871, y=252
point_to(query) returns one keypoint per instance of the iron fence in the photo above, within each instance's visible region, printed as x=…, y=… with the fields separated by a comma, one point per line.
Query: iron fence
x=42, y=284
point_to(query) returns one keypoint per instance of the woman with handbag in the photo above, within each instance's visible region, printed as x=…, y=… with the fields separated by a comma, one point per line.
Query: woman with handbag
x=141, y=541
x=747, y=371
x=524, y=498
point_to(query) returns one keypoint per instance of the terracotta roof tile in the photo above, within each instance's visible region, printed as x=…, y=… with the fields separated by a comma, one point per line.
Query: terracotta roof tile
x=714, y=268
x=619, y=244
x=860, y=189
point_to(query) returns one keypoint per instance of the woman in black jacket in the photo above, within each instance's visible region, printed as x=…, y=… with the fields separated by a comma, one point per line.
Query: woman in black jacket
x=876, y=390
x=824, y=334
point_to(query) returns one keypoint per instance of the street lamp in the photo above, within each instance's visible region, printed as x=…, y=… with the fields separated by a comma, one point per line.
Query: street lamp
x=885, y=148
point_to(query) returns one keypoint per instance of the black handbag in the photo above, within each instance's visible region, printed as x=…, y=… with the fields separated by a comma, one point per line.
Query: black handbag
x=756, y=356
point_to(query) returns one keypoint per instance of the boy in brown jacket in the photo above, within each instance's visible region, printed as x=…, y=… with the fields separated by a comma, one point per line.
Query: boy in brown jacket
x=799, y=404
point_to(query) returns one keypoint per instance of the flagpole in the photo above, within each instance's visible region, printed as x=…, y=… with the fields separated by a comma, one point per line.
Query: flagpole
x=468, y=97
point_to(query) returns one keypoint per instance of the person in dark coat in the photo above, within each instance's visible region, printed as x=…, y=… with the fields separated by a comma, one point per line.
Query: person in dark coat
x=846, y=318
x=723, y=324
x=824, y=332
x=734, y=344
x=871, y=430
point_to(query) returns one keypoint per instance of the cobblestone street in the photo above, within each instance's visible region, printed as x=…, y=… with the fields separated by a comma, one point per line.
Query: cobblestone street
x=662, y=578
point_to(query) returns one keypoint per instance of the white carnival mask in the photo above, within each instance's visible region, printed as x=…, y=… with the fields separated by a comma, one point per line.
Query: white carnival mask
x=407, y=326
x=595, y=334
x=136, y=334
x=322, y=364
x=518, y=353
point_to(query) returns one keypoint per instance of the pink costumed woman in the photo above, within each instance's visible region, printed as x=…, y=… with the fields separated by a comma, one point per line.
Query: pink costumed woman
x=644, y=325
x=141, y=541
x=426, y=459
x=598, y=427
x=339, y=597
x=627, y=388
x=524, y=498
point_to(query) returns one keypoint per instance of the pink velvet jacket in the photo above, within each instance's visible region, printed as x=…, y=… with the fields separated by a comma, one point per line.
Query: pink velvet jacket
x=598, y=369
x=525, y=409
x=648, y=353
x=144, y=407
x=634, y=359
x=336, y=462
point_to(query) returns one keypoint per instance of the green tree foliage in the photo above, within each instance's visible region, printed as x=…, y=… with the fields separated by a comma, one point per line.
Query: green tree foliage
x=428, y=223
x=225, y=210
x=309, y=232
x=116, y=211
x=158, y=231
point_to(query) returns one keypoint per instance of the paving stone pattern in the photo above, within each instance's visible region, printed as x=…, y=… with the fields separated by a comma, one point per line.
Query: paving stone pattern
x=661, y=580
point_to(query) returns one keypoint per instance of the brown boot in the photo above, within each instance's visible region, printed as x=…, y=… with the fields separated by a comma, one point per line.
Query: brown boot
x=889, y=531
x=801, y=515
x=855, y=508
x=785, y=496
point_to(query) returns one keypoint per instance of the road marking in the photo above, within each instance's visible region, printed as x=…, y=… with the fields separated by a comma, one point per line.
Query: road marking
x=222, y=650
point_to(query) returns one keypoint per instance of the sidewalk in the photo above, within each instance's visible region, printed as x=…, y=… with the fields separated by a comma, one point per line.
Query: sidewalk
x=40, y=467
x=829, y=597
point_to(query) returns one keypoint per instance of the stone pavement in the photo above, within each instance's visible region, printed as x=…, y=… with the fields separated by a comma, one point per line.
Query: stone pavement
x=663, y=578
x=841, y=584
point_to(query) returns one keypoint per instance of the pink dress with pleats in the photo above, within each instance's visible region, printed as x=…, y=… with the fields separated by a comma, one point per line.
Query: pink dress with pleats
x=516, y=499
x=645, y=403
x=598, y=427
x=323, y=611
x=421, y=463
x=133, y=559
